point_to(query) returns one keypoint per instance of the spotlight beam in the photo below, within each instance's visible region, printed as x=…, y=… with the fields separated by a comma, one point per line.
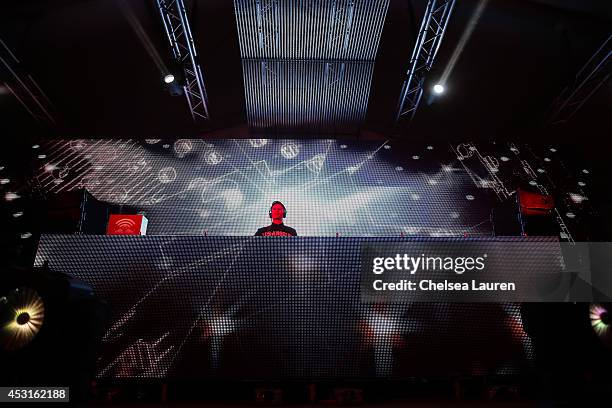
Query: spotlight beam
x=25, y=89
x=465, y=37
x=587, y=81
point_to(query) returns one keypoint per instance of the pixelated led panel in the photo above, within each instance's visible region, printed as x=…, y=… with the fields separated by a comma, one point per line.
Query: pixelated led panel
x=225, y=187
x=342, y=30
x=316, y=95
x=308, y=65
x=271, y=308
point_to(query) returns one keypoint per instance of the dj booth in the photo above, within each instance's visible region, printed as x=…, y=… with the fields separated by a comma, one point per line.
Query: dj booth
x=273, y=308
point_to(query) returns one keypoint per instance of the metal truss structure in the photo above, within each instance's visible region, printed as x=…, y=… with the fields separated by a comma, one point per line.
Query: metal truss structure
x=178, y=32
x=428, y=41
x=588, y=80
x=25, y=89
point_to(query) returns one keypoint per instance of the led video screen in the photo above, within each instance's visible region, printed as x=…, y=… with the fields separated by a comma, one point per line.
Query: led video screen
x=273, y=308
x=200, y=297
x=330, y=187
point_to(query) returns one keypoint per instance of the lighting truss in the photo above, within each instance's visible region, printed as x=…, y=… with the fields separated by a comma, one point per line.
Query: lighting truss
x=26, y=89
x=428, y=41
x=176, y=25
x=588, y=80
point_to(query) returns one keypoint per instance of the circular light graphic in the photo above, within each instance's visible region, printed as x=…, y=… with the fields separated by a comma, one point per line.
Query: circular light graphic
x=470, y=197
x=182, y=147
x=167, y=175
x=213, y=158
x=22, y=314
x=78, y=145
x=290, y=150
x=577, y=198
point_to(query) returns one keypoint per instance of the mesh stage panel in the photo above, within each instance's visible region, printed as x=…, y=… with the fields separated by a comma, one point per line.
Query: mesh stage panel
x=272, y=308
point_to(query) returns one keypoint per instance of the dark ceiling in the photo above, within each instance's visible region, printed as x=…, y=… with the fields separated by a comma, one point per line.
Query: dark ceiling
x=104, y=84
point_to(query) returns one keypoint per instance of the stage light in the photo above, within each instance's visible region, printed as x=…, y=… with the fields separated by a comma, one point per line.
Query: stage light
x=438, y=89
x=11, y=196
x=600, y=321
x=4, y=181
x=17, y=214
x=35, y=146
x=577, y=198
x=173, y=84
x=23, y=313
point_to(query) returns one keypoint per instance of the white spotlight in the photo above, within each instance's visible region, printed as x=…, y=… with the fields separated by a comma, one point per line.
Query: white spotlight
x=169, y=78
x=438, y=89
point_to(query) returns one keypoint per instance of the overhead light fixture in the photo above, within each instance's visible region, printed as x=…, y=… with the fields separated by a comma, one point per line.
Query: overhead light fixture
x=438, y=89
x=173, y=83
